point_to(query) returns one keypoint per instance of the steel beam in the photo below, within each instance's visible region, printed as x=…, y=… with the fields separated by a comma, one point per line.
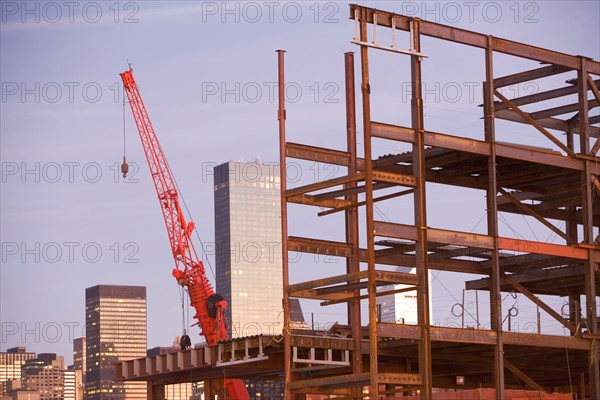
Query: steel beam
x=529, y=211
x=529, y=119
x=435, y=139
x=549, y=123
x=529, y=75
x=445, y=32
x=541, y=96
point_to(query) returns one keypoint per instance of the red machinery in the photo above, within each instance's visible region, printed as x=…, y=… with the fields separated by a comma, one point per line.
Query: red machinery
x=189, y=270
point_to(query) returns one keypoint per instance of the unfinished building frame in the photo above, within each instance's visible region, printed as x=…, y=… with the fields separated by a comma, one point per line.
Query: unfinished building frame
x=560, y=185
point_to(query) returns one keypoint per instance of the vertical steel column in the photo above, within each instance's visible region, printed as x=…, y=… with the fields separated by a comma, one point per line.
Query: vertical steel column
x=492, y=222
x=371, y=286
x=351, y=215
x=155, y=391
x=588, y=230
x=420, y=213
x=287, y=367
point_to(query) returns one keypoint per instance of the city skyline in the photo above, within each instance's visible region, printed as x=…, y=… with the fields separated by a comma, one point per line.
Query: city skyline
x=69, y=219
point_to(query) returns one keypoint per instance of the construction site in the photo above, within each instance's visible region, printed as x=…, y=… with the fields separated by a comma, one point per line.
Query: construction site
x=555, y=185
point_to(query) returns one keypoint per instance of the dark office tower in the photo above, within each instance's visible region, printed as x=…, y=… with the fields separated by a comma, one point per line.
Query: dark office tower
x=115, y=330
x=248, y=246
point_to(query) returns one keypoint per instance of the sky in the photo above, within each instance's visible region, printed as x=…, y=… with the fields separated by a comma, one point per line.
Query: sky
x=207, y=74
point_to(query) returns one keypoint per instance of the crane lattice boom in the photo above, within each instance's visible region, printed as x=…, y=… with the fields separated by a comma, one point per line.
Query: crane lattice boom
x=189, y=270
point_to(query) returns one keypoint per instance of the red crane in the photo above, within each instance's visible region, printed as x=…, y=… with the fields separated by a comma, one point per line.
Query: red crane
x=189, y=270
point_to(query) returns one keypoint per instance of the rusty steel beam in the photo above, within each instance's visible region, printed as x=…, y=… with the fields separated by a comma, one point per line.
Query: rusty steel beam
x=593, y=86
x=445, y=32
x=529, y=75
x=483, y=337
x=402, y=231
x=541, y=96
x=529, y=211
x=533, y=123
x=551, y=112
x=435, y=139
x=340, y=249
x=530, y=274
x=523, y=376
x=318, y=154
x=365, y=296
x=522, y=289
x=307, y=199
x=350, y=190
x=327, y=281
x=550, y=123
x=318, y=246
x=394, y=178
x=356, y=177
x=362, y=203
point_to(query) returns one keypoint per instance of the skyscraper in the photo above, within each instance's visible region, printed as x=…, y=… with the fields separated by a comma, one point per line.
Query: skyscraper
x=79, y=356
x=46, y=374
x=10, y=365
x=248, y=246
x=115, y=330
x=248, y=254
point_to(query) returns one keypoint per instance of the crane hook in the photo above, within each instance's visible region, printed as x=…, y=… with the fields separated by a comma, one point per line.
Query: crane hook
x=124, y=167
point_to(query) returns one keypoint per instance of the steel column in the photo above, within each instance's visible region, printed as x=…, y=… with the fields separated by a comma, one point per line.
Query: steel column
x=492, y=223
x=588, y=230
x=351, y=215
x=284, y=225
x=420, y=214
x=368, y=170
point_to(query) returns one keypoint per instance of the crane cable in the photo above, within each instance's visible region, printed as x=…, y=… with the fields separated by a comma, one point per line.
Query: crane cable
x=124, y=166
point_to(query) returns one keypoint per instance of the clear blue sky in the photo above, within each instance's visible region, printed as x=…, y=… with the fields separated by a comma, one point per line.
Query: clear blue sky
x=206, y=72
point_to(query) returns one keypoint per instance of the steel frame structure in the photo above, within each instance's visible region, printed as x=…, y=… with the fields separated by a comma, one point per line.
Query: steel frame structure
x=560, y=184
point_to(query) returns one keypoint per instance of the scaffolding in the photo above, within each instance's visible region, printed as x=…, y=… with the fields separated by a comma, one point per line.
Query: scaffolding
x=386, y=360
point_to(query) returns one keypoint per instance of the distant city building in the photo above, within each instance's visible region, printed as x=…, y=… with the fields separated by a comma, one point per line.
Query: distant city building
x=249, y=254
x=401, y=307
x=115, y=330
x=10, y=365
x=73, y=384
x=79, y=356
x=248, y=246
x=16, y=391
x=46, y=374
x=296, y=315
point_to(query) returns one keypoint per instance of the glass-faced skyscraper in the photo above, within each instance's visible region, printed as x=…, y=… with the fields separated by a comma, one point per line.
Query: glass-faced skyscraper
x=115, y=330
x=248, y=246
